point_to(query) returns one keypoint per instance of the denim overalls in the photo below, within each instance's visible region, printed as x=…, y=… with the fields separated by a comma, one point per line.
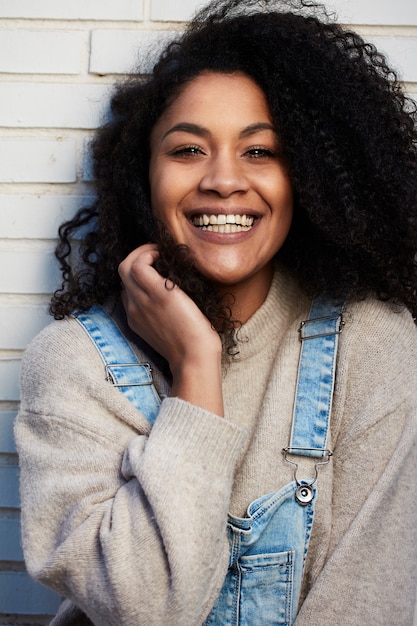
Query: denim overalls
x=268, y=548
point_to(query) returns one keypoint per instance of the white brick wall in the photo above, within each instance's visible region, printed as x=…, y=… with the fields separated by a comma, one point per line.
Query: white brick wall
x=178, y=11
x=58, y=60
x=383, y=12
x=40, y=51
x=121, y=51
x=52, y=105
x=37, y=160
x=73, y=10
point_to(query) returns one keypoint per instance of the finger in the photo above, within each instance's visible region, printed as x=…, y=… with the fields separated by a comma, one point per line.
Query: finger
x=148, y=251
x=143, y=256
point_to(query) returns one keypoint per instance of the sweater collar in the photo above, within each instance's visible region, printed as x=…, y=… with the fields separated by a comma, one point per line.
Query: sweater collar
x=285, y=302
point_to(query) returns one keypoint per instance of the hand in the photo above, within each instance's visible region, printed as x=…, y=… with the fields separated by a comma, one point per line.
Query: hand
x=166, y=318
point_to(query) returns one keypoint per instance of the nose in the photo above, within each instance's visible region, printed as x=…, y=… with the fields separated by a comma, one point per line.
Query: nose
x=224, y=175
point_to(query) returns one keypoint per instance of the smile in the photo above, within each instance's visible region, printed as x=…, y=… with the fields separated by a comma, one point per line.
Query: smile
x=223, y=223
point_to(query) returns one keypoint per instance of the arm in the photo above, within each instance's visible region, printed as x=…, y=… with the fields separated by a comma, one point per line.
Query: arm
x=368, y=574
x=129, y=525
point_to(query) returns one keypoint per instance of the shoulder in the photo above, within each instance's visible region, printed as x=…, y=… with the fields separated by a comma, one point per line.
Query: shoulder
x=379, y=332
x=64, y=385
x=377, y=365
x=61, y=370
x=67, y=344
x=61, y=344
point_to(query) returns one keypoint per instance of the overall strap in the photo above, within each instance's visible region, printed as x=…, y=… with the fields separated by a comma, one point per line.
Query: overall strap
x=122, y=368
x=316, y=375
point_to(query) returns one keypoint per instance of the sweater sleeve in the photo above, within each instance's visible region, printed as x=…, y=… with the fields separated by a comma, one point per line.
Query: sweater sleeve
x=126, y=521
x=369, y=572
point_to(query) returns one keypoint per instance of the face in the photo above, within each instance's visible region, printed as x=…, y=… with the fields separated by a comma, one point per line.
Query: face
x=217, y=178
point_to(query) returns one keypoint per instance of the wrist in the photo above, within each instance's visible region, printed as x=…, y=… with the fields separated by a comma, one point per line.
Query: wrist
x=199, y=381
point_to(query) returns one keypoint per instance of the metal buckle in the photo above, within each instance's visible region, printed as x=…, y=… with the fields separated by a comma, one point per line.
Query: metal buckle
x=304, y=492
x=338, y=330
x=289, y=450
x=110, y=379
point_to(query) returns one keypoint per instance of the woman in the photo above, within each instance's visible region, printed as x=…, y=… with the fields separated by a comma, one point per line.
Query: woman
x=270, y=159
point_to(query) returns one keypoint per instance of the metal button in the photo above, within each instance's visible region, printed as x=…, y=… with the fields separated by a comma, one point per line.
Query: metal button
x=304, y=494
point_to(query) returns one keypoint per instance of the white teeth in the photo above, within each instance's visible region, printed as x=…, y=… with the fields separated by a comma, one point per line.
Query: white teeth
x=226, y=228
x=237, y=222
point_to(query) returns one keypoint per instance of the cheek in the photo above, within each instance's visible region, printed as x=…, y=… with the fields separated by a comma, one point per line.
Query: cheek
x=281, y=199
x=166, y=188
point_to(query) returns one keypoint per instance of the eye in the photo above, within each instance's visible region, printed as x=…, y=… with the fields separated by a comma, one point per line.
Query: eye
x=257, y=152
x=187, y=151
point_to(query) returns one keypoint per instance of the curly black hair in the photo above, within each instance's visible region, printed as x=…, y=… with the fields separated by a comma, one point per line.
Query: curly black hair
x=350, y=139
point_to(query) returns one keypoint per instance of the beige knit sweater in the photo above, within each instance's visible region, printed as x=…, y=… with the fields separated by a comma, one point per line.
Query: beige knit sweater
x=128, y=523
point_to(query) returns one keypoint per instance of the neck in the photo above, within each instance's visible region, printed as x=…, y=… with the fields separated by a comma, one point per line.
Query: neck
x=247, y=297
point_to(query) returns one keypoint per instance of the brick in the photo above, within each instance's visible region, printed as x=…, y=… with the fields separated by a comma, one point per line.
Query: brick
x=37, y=160
x=401, y=53
x=124, y=51
x=37, y=216
x=384, y=12
x=9, y=388
x=29, y=271
x=9, y=487
x=10, y=545
x=7, y=444
x=40, y=51
x=37, y=105
x=178, y=11
x=74, y=10
x=20, y=594
x=20, y=323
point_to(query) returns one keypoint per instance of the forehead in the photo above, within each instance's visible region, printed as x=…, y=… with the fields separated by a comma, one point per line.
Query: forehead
x=214, y=98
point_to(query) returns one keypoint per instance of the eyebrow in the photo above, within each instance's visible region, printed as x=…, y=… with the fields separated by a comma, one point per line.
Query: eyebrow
x=200, y=131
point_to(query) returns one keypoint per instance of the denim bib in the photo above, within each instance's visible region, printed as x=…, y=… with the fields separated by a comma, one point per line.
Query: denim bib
x=268, y=548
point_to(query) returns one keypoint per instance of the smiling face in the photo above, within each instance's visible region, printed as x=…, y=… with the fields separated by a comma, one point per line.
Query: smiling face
x=218, y=182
